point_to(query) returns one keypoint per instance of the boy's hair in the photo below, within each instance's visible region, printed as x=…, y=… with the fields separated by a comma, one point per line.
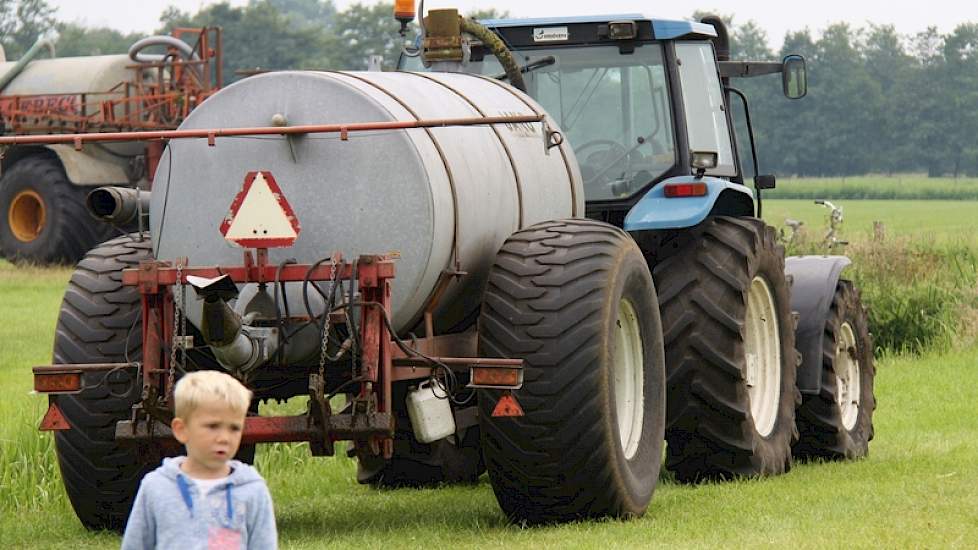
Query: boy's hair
x=208, y=386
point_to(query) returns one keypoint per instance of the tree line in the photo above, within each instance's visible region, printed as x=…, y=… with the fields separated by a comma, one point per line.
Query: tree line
x=878, y=101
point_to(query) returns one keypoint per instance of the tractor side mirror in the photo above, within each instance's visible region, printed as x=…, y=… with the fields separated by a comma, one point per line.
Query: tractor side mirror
x=794, y=77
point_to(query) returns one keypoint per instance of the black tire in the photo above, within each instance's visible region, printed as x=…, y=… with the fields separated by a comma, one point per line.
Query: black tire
x=704, y=276
x=448, y=461
x=554, y=298
x=821, y=428
x=100, y=322
x=41, y=190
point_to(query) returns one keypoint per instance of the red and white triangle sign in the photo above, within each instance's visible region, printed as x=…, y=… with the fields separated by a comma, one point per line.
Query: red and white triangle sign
x=260, y=217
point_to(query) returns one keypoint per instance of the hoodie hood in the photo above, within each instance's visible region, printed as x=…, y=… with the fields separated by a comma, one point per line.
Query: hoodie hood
x=241, y=473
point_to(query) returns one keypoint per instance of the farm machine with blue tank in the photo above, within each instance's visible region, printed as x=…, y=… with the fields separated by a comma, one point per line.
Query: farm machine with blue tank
x=577, y=249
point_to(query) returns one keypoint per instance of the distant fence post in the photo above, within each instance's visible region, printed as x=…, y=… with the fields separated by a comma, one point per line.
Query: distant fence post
x=879, y=231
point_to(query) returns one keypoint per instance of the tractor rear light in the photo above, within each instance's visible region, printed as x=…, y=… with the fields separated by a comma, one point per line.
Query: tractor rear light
x=57, y=382
x=679, y=190
x=495, y=377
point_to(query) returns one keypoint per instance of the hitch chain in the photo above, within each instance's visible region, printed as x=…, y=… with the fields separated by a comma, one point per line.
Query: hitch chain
x=179, y=329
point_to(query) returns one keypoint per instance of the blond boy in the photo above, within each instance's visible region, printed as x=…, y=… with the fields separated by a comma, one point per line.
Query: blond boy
x=204, y=499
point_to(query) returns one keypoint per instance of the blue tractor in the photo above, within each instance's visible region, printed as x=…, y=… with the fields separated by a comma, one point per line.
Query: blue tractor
x=767, y=358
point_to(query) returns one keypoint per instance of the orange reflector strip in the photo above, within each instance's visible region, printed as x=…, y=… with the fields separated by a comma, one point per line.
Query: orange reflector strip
x=495, y=377
x=677, y=190
x=57, y=382
x=507, y=406
x=54, y=420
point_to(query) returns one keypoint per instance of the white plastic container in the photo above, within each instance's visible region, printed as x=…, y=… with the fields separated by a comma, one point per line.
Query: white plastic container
x=430, y=412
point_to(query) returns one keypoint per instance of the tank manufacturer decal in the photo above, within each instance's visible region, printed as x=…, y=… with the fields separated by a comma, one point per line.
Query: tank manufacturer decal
x=39, y=104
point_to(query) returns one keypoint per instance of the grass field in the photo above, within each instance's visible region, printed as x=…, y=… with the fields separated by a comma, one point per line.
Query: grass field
x=937, y=220
x=916, y=489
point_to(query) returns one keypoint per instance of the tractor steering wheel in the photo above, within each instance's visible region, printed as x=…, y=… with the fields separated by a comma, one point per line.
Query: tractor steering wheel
x=605, y=164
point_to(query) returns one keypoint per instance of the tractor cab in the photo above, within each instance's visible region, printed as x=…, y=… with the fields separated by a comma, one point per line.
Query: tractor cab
x=640, y=100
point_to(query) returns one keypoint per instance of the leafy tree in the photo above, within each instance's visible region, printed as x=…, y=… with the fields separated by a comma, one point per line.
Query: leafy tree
x=304, y=14
x=365, y=30
x=75, y=40
x=487, y=13
x=22, y=23
x=256, y=36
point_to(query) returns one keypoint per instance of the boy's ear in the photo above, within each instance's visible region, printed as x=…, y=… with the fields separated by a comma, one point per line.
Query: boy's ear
x=179, y=428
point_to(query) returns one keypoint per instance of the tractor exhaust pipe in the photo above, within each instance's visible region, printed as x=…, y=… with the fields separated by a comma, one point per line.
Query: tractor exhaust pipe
x=722, y=41
x=117, y=205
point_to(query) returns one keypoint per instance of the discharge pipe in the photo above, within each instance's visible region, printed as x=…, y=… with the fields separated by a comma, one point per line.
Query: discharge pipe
x=117, y=205
x=223, y=329
x=29, y=55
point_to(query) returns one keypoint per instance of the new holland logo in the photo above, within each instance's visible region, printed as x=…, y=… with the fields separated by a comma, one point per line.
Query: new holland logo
x=550, y=34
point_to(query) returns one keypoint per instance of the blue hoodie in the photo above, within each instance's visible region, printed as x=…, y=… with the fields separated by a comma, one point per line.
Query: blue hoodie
x=169, y=511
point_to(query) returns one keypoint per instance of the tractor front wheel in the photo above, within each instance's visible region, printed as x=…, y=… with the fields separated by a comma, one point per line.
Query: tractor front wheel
x=837, y=423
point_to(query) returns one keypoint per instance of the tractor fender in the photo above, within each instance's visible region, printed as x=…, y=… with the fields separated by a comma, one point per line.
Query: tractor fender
x=88, y=167
x=814, y=281
x=722, y=198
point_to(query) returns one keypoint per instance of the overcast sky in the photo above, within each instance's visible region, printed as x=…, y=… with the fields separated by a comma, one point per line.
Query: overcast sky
x=775, y=16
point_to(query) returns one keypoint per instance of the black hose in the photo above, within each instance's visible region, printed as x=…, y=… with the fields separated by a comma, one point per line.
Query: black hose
x=499, y=49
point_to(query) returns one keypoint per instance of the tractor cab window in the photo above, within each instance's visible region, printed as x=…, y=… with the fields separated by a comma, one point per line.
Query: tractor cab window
x=706, y=121
x=613, y=108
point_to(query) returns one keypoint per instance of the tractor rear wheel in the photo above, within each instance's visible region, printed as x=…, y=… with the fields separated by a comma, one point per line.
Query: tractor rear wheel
x=44, y=219
x=100, y=322
x=837, y=423
x=574, y=299
x=730, y=352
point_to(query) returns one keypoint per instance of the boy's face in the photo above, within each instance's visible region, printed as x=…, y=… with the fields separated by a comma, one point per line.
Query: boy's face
x=211, y=436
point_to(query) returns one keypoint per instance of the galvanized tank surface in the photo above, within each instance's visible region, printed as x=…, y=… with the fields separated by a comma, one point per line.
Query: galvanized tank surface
x=421, y=193
x=57, y=79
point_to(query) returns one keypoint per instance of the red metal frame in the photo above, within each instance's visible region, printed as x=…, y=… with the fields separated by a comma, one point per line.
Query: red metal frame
x=374, y=275
x=161, y=103
x=213, y=133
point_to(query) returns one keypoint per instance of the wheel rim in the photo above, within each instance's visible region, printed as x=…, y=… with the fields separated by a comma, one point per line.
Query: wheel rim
x=762, y=345
x=629, y=378
x=847, y=376
x=26, y=216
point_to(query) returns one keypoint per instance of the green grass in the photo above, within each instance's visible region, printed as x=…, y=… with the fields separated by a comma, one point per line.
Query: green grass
x=898, y=187
x=930, y=220
x=920, y=280
x=916, y=489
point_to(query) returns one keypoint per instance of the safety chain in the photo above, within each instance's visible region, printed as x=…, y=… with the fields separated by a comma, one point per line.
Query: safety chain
x=179, y=328
x=324, y=344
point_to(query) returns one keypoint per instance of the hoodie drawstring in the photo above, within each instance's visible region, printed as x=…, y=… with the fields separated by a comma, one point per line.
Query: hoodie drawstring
x=185, y=493
x=230, y=507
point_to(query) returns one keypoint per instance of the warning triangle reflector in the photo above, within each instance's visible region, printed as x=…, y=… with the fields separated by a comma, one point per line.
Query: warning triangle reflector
x=507, y=406
x=54, y=420
x=260, y=217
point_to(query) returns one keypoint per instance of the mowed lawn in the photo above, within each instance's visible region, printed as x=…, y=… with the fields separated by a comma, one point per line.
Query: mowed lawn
x=918, y=487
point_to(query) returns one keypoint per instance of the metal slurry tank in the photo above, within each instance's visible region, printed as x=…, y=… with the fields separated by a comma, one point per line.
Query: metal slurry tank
x=443, y=198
